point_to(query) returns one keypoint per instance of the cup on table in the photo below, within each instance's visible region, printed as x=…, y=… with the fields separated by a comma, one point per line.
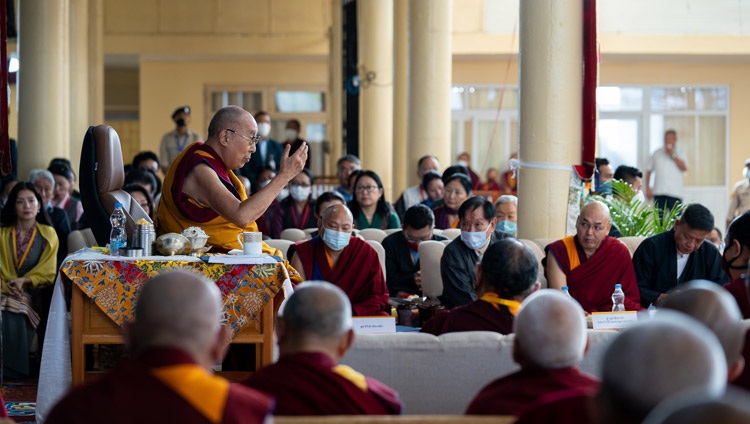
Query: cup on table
x=251, y=242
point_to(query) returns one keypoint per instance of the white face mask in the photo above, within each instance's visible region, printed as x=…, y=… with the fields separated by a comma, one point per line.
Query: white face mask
x=746, y=172
x=640, y=196
x=264, y=128
x=282, y=195
x=291, y=134
x=463, y=163
x=474, y=240
x=299, y=194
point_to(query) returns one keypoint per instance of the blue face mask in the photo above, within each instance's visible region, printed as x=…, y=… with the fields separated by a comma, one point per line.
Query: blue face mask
x=605, y=189
x=474, y=240
x=508, y=227
x=335, y=240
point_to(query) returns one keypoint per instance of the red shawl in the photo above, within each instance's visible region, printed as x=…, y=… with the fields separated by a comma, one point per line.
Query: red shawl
x=476, y=316
x=738, y=289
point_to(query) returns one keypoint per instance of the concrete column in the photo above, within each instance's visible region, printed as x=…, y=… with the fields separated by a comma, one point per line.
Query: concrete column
x=336, y=84
x=375, y=34
x=551, y=96
x=400, y=99
x=43, y=83
x=79, y=77
x=430, y=59
x=96, y=62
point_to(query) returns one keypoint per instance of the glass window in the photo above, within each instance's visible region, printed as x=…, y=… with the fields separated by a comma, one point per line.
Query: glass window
x=618, y=141
x=299, y=101
x=457, y=98
x=490, y=97
x=315, y=132
x=678, y=98
x=619, y=98
x=712, y=98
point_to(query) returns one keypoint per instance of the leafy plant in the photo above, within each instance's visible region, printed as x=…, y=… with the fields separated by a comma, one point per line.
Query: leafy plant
x=633, y=218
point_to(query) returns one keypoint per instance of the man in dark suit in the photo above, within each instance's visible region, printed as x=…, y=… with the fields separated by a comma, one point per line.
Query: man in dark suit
x=402, y=271
x=268, y=152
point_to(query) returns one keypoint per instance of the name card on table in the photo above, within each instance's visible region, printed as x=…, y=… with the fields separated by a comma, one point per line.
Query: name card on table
x=364, y=325
x=613, y=320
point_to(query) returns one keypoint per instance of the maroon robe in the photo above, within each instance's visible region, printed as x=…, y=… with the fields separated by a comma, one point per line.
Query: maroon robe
x=131, y=393
x=738, y=289
x=592, y=282
x=517, y=393
x=306, y=384
x=476, y=316
x=743, y=381
x=571, y=406
x=358, y=273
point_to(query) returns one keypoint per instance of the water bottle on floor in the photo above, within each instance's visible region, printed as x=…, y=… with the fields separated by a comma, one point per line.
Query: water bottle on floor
x=618, y=299
x=118, y=237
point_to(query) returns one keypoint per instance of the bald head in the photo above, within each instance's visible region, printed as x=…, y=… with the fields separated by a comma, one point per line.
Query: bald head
x=337, y=213
x=655, y=359
x=699, y=408
x=179, y=309
x=596, y=209
x=228, y=117
x=592, y=226
x=715, y=308
x=550, y=331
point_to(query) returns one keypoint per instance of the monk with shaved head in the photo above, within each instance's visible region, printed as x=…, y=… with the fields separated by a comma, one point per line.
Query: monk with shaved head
x=346, y=261
x=550, y=342
x=314, y=331
x=174, y=341
x=590, y=263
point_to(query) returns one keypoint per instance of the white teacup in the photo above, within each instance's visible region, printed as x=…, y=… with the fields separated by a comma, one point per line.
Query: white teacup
x=251, y=242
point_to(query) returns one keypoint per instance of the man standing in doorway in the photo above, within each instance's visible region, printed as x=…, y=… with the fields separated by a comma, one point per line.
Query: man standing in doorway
x=668, y=163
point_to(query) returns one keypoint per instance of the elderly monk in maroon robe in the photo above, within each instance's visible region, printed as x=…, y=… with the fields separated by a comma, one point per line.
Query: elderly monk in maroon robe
x=591, y=263
x=314, y=331
x=346, y=261
x=505, y=276
x=551, y=340
x=174, y=342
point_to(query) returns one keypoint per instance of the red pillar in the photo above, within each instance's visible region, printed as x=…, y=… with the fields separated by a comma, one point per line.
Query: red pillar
x=590, y=71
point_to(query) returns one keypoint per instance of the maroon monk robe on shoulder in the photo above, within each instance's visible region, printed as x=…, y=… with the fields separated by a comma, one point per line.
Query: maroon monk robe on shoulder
x=358, y=273
x=308, y=384
x=738, y=290
x=516, y=393
x=476, y=316
x=570, y=406
x=592, y=282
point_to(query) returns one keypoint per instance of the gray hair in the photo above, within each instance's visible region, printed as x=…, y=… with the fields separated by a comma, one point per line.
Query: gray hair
x=506, y=198
x=39, y=174
x=317, y=308
x=225, y=118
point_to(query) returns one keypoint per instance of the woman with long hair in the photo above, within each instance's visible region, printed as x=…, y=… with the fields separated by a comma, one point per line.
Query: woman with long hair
x=457, y=189
x=28, y=249
x=369, y=207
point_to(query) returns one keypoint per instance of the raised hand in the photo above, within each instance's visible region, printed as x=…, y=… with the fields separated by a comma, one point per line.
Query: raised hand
x=292, y=165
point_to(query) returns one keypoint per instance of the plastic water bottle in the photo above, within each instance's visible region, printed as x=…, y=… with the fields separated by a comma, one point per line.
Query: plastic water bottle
x=618, y=299
x=118, y=237
x=565, y=291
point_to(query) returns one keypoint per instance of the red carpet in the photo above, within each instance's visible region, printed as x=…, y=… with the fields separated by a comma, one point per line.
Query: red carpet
x=20, y=400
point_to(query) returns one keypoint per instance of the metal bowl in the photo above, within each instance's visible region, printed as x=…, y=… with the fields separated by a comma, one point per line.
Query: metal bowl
x=197, y=242
x=172, y=244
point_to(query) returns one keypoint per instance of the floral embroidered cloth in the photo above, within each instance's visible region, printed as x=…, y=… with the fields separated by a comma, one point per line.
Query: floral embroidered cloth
x=114, y=283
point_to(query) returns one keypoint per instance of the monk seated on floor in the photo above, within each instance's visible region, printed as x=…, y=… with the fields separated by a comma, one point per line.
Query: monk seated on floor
x=314, y=330
x=505, y=277
x=346, y=261
x=551, y=340
x=176, y=338
x=590, y=263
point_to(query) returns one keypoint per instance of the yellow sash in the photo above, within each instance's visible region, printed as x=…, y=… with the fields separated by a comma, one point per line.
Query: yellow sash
x=512, y=305
x=570, y=247
x=203, y=391
x=351, y=375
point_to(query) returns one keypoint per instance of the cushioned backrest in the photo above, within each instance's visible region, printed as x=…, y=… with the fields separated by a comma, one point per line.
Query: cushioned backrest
x=632, y=243
x=110, y=173
x=539, y=253
x=373, y=234
x=452, y=233
x=430, y=253
x=294, y=234
x=282, y=245
x=96, y=215
x=381, y=253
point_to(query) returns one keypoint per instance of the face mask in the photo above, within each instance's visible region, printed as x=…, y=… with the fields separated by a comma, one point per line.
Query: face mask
x=508, y=227
x=299, y=193
x=181, y=122
x=640, y=197
x=746, y=172
x=282, y=195
x=291, y=134
x=726, y=264
x=605, y=189
x=264, y=183
x=264, y=128
x=474, y=240
x=336, y=240
x=463, y=163
x=414, y=247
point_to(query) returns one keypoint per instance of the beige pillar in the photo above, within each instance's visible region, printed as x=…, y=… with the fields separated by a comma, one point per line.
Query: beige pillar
x=96, y=62
x=430, y=58
x=43, y=84
x=550, y=133
x=79, y=77
x=336, y=84
x=400, y=103
x=375, y=35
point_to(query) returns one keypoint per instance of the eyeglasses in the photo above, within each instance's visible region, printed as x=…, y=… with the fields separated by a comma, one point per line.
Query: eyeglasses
x=252, y=140
x=367, y=188
x=295, y=184
x=585, y=226
x=411, y=239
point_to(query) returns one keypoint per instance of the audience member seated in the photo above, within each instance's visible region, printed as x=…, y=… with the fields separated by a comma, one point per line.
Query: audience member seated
x=329, y=198
x=603, y=177
x=509, y=179
x=415, y=195
x=58, y=219
x=344, y=168
x=735, y=259
x=263, y=179
x=66, y=163
x=457, y=190
x=145, y=179
x=200, y=189
x=141, y=196
x=551, y=340
x=314, y=331
x=632, y=176
x=715, y=237
x=465, y=160
x=676, y=256
x=506, y=275
x=6, y=185
x=28, y=249
x=653, y=360
x=462, y=254
x=297, y=210
x=590, y=263
x=174, y=341
x=369, y=207
x=61, y=197
x=292, y=131
x=506, y=212
x=146, y=160
x=346, y=261
x=492, y=184
x=713, y=307
x=433, y=185
x=402, y=267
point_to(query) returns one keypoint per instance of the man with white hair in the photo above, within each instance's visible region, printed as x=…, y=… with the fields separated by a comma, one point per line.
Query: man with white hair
x=551, y=340
x=506, y=212
x=44, y=182
x=314, y=331
x=655, y=359
x=174, y=341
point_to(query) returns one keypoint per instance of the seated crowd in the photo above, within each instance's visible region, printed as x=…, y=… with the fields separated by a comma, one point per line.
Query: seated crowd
x=490, y=282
